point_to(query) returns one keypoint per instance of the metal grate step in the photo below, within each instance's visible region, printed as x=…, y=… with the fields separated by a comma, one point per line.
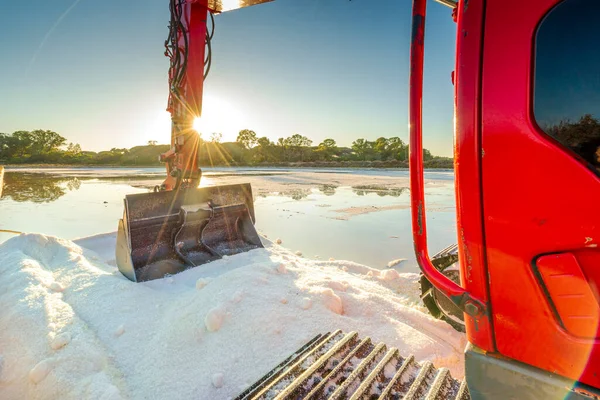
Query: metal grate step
x=343, y=366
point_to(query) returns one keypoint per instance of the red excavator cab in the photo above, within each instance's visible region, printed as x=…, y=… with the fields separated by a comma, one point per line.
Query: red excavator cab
x=527, y=164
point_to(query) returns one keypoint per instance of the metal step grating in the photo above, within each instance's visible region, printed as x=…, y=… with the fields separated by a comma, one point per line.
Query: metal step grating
x=343, y=366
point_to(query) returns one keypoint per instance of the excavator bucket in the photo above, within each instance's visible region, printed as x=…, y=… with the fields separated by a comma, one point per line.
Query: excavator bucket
x=168, y=232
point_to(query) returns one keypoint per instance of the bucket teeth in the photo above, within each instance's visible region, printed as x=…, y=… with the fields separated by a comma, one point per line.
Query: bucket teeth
x=342, y=366
x=167, y=232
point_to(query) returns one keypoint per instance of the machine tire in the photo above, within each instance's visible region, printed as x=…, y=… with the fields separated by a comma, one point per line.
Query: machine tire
x=437, y=304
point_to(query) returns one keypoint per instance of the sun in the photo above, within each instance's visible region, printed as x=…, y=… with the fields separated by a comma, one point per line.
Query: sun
x=219, y=116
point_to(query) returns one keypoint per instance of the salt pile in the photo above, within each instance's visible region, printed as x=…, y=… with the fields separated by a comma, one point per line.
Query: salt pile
x=74, y=328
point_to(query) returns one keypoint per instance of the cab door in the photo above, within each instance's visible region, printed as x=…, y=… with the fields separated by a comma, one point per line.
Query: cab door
x=540, y=135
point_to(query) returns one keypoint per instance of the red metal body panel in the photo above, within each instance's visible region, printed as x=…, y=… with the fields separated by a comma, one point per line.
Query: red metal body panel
x=467, y=167
x=570, y=293
x=537, y=199
x=458, y=295
x=447, y=286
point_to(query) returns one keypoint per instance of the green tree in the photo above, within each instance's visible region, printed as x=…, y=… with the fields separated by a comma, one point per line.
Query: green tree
x=281, y=149
x=264, y=150
x=22, y=142
x=264, y=142
x=45, y=141
x=73, y=149
x=327, y=148
x=298, y=144
x=427, y=155
x=397, y=148
x=247, y=138
x=361, y=147
x=380, y=147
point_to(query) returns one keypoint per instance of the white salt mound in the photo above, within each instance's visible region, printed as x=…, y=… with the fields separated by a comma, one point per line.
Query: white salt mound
x=122, y=346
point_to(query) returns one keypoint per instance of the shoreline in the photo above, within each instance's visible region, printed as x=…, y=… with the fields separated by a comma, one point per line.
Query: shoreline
x=294, y=165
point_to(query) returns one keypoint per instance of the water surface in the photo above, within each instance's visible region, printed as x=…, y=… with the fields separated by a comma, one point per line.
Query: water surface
x=358, y=215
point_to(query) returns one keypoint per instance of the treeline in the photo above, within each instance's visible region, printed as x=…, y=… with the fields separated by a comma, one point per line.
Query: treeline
x=48, y=147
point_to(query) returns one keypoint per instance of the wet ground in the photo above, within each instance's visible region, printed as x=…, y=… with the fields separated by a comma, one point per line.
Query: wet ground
x=351, y=214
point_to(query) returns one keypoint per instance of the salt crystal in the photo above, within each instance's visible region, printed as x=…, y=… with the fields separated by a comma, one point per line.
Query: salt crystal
x=56, y=287
x=214, y=319
x=40, y=371
x=238, y=296
x=333, y=302
x=389, y=370
x=389, y=275
x=60, y=341
x=120, y=330
x=111, y=393
x=281, y=269
x=217, y=380
x=341, y=286
x=306, y=303
x=395, y=262
x=200, y=283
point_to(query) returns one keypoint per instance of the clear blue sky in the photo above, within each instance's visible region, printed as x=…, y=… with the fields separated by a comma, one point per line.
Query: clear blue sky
x=321, y=68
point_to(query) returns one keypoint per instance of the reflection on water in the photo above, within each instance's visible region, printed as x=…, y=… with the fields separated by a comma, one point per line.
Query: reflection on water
x=301, y=209
x=37, y=188
x=380, y=191
x=327, y=190
x=296, y=194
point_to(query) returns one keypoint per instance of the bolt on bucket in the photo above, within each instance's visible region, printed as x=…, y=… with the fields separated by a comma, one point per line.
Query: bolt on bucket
x=168, y=232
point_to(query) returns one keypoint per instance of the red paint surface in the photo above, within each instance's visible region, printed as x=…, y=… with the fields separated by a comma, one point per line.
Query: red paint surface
x=453, y=291
x=467, y=168
x=569, y=292
x=537, y=199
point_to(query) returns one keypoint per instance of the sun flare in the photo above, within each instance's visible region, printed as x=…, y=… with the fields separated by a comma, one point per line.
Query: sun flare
x=219, y=116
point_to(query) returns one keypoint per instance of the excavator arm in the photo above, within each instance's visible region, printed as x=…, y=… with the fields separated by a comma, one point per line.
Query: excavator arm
x=188, y=47
x=182, y=226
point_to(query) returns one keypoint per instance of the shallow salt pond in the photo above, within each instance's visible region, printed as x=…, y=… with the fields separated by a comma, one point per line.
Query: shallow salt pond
x=357, y=215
